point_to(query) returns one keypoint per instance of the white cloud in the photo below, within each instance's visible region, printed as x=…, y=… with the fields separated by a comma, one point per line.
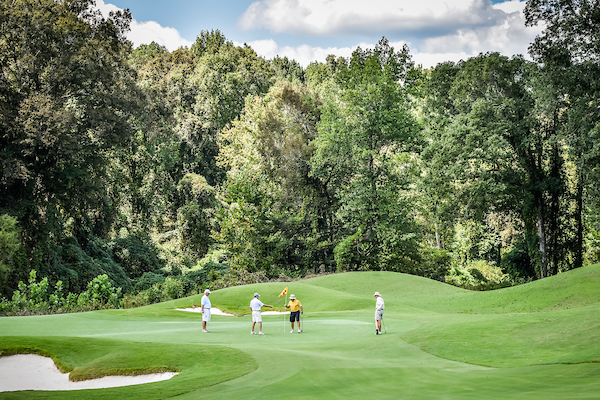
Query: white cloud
x=148, y=31
x=510, y=6
x=335, y=17
x=509, y=38
x=303, y=54
x=151, y=31
x=451, y=30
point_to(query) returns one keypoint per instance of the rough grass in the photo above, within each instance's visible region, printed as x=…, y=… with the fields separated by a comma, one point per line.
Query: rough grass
x=535, y=341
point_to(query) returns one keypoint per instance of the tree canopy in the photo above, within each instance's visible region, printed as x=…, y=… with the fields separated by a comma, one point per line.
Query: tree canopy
x=211, y=160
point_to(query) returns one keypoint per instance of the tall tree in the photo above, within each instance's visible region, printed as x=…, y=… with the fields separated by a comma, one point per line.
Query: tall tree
x=568, y=50
x=66, y=95
x=365, y=122
x=435, y=185
x=269, y=147
x=505, y=155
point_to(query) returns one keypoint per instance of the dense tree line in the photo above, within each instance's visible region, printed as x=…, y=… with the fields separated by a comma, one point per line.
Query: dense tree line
x=142, y=162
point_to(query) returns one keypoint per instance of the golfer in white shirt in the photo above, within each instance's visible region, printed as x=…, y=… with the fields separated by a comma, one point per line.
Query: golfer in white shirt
x=255, y=305
x=205, y=304
x=379, y=307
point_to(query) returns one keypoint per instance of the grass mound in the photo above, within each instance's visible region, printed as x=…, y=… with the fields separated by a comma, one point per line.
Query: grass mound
x=535, y=341
x=89, y=358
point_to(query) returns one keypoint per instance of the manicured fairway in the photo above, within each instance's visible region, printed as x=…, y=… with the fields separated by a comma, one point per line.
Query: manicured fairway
x=536, y=341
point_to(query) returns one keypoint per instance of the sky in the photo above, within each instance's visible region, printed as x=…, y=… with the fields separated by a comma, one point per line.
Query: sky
x=309, y=30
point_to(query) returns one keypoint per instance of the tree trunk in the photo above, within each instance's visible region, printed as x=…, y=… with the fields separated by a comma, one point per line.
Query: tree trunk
x=437, y=236
x=578, y=262
x=542, y=240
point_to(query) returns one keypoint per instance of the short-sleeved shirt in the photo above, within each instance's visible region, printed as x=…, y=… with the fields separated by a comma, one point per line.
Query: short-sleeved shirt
x=294, y=305
x=256, y=304
x=205, y=302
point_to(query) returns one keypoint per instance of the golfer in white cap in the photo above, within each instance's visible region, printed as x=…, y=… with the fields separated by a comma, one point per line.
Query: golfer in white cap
x=205, y=304
x=255, y=305
x=295, y=309
x=379, y=307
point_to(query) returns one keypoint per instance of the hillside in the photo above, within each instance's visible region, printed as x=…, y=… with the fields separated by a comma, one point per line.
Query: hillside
x=535, y=341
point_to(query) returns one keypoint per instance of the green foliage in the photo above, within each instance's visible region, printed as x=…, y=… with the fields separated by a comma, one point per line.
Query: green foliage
x=10, y=245
x=195, y=217
x=517, y=262
x=346, y=258
x=126, y=163
x=38, y=298
x=173, y=288
x=66, y=102
x=593, y=246
x=477, y=275
x=136, y=255
x=145, y=52
x=100, y=294
x=147, y=280
x=209, y=42
x=273, y=209
x=288, y=69
x=434, y=264
x=365, y=125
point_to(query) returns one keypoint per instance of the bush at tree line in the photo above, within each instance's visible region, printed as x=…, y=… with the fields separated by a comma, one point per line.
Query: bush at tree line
x=40, y=297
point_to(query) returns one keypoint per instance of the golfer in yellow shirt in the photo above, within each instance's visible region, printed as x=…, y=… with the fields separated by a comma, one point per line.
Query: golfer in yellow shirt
x=296, y=308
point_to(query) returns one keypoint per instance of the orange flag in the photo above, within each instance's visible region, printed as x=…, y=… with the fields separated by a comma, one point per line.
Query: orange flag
x=284, y=292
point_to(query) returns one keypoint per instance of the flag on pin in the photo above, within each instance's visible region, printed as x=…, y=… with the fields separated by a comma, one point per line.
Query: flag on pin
x=284, y=292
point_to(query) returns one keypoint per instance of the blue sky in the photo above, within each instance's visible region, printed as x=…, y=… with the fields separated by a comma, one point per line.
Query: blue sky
x=309, y=30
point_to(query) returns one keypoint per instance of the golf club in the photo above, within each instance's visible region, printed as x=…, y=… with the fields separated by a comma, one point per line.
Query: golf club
x=240, y=315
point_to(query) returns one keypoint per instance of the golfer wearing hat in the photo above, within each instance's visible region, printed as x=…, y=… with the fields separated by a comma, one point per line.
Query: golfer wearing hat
x=296, y=308
x=255, y=305
x=205, y=304
x=379, y=307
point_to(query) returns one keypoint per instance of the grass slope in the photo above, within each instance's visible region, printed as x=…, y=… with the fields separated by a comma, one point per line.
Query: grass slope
x=535, y=341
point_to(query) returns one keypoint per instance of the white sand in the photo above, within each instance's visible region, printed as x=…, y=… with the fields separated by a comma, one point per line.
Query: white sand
x=216, y=311
x=34, y=372
x=213, y=311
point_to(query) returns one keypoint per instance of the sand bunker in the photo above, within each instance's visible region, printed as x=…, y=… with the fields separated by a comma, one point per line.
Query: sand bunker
x=34, y=372
x=213, y=311
x=216, y=311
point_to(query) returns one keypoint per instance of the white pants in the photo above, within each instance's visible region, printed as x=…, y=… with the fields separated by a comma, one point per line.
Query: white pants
x=206, y=315
x=378, y=315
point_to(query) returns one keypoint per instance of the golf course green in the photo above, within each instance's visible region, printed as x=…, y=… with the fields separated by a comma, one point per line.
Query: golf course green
x=535, y=341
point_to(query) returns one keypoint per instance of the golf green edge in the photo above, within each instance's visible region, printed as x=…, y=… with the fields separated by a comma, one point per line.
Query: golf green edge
x=88, y=358
x=535, y=341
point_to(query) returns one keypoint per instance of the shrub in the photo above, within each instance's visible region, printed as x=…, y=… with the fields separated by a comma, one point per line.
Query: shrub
x=37, y=298
x=173, y=288
x=9, y=247
x=517, y=262
x=147, y=280
x=478, y=275
x=435, y=264
x=101, y=293
x=136, y=255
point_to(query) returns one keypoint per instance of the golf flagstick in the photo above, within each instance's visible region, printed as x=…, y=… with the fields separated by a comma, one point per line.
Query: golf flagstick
x=284, y=303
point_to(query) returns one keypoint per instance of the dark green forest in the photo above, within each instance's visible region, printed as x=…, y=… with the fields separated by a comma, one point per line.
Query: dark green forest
x=215, y=164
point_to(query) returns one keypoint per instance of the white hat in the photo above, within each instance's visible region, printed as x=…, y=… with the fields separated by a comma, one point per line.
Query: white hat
x=256, y=295
x=206, y=291
x=377, y=294
x=292, y=296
